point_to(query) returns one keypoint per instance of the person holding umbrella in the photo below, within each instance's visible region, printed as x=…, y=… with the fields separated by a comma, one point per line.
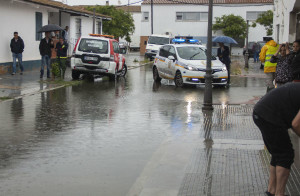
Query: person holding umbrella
x=45, y=50
x=45, y=47
x=223, y=54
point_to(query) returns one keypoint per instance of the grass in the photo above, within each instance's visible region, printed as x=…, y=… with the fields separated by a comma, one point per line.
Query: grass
x=4, y=98
x=63, y=82
x=236, y=68
x=145, y=61
x=135, y=60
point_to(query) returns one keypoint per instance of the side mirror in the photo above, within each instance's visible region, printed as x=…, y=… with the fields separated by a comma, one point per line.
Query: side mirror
x=122, y=50
x=171, y=58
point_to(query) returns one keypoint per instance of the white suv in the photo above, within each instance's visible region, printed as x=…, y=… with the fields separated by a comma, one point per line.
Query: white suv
x=98, y=55
x=186, y=64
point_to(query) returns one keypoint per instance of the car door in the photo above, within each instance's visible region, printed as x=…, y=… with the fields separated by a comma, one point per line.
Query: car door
x=164, y=62
x=117, y=56
x=172, y=63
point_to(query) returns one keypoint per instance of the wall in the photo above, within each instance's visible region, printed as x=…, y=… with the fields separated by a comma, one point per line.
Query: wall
x=16, y=16
x=285, y=15
x=166, y=22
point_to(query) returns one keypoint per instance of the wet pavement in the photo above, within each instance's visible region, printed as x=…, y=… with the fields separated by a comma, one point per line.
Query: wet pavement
x=135, y=137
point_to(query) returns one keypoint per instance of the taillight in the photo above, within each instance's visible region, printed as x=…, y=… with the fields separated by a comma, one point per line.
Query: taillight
x=73, y=54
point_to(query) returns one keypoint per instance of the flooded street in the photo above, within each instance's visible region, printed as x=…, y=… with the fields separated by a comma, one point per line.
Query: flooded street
x=102, y=137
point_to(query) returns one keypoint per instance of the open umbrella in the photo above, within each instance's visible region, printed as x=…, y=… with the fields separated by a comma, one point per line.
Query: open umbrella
x=50, y=27
x=224, y=39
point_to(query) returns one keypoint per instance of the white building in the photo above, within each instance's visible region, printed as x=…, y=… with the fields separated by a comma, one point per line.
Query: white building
x=28, y=16
x=286, y=20
x=137, y=17
x=190, y=17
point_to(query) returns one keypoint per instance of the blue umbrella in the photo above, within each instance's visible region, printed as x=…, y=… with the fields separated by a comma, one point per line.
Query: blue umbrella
x=224, y=39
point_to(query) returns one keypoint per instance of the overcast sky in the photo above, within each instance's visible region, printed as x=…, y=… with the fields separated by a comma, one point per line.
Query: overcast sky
x=99, y=2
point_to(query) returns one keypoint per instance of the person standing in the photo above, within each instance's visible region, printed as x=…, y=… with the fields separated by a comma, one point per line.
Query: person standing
x=61, y=51
x=65, y=34
x=267, y=51
x=45, y=50
x=256, y=50
x=17, y=47
x=283, y=72
x=274, y=114
x=223, y=54
x=296, y=61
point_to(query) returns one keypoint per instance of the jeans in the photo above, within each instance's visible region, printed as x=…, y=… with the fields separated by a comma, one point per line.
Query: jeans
x=269, y=80
x=45, y=61
x=19, y=56
x=256, y=56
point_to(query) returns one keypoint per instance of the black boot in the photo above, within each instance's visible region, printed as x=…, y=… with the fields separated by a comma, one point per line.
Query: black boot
x=42, y=74
x=48, y=73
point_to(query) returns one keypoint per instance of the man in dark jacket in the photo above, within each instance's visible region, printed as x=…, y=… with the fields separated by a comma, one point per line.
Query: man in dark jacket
x=61, y=53
x=45, y=50
x=295, y=64
x=223, y=54
x=274, y=114
x=17, y=48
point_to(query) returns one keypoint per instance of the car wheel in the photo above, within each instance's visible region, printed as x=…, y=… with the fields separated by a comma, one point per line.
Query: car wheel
x=156, y=77
x=178, y=79
x=124, y=71
x=75, y=75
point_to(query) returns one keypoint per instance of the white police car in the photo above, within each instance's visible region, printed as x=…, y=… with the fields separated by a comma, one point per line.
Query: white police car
x=186, y=64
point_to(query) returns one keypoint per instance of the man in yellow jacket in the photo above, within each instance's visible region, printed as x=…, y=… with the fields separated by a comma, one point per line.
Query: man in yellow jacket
x=267, y=51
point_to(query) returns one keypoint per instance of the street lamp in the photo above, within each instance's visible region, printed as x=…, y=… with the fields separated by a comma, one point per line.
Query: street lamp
x=247, y=51
x=207, y=105
x=151, y=17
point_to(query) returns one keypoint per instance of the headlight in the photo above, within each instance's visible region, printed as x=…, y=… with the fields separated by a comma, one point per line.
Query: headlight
x=188, y=67
x=224, y=69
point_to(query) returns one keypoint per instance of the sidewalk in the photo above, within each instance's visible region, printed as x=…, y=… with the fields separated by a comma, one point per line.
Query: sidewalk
x=225, y=158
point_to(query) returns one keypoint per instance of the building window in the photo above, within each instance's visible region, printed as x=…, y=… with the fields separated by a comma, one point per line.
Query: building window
x=191, y=16
x=145, y=16
x=78, y=28
x=38, y=25
x=252, y=16
x=99, y=27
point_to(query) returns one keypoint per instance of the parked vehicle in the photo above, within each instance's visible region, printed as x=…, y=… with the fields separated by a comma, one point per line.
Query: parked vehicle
x=98, y=55
x=154, y=43
x=250, y=46
x=186, y=64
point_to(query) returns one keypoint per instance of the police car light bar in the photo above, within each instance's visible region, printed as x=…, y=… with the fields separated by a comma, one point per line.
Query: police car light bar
x=193, y=41
x=178, y=40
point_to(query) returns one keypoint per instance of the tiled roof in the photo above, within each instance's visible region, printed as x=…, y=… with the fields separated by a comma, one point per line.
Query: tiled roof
x=64, y=7
x=207, y=1
x=130, y=8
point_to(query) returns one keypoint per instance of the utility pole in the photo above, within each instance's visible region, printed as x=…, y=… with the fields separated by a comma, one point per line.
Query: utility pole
x=151, y=17
x=128, y=6
x=207, y=105
x=247, y=51
x=94, y=20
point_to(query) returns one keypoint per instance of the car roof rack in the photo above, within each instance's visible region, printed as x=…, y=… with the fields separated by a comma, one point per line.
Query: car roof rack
x=99, y=35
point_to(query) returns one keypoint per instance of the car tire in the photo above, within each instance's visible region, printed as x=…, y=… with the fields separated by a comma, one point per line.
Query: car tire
x=124, y=71
x=156, y=77
x=178, y=79
x=75, y=75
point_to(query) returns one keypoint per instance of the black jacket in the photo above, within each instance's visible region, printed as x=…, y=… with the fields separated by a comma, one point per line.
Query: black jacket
x=61, y=49
x=296, y=65
x=45, y=48
x=224, y=56
x=17, y=46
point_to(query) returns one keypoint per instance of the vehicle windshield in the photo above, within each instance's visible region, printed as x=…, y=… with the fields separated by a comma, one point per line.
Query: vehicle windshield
x=191, y=53
x=93, y=46
x=158, y=40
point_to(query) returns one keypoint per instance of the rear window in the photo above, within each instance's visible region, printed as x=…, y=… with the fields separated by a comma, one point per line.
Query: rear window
x=93, y=46
x=158, y=40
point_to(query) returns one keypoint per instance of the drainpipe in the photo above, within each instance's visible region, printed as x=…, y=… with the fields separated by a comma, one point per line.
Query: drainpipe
x=94, y=20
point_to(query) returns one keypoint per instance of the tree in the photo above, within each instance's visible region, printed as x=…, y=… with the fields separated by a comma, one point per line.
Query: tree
x=231, y=26
x=266, y=19
x=121, y=25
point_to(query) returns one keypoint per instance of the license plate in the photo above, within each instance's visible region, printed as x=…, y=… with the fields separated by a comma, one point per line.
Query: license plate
x=89, y=58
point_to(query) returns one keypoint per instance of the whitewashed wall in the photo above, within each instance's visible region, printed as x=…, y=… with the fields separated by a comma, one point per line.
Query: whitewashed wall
x=282, y=17
x=16, y=16
x=165, y=19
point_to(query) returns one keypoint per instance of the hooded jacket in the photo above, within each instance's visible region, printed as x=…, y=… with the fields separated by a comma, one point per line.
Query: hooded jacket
x=17, y=47
x=267, y=51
